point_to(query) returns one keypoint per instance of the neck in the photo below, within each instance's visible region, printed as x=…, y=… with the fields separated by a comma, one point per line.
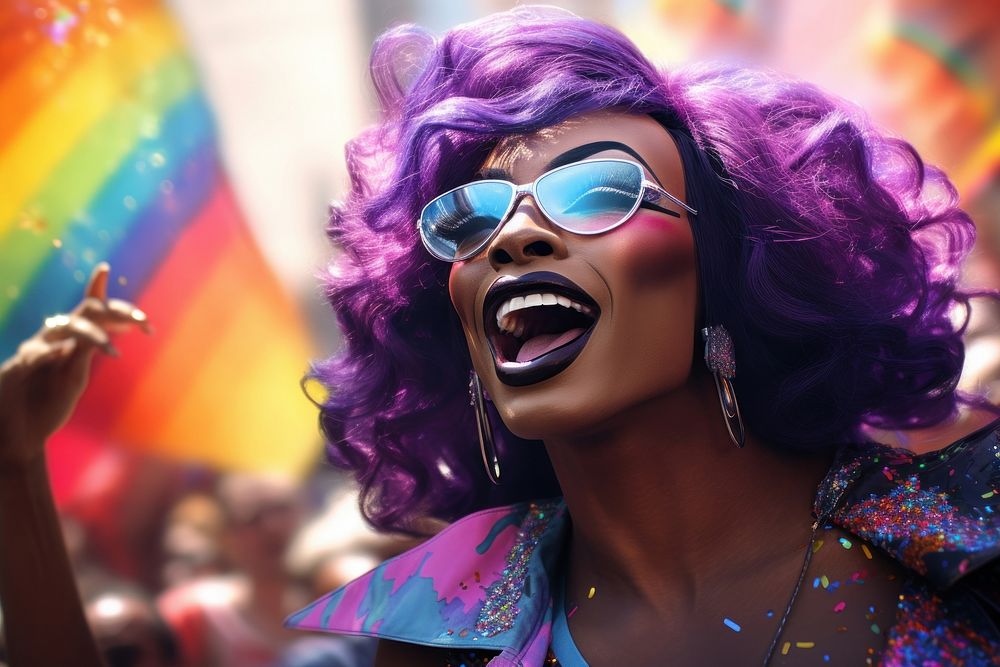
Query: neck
x=664, y=483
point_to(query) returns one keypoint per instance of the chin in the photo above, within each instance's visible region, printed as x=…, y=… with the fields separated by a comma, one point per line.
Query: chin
x=552, y=410
x=581, y=401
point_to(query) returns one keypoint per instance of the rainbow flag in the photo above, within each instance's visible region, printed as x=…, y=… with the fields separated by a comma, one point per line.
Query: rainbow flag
x=948, y=97
x=108, y=151
x=982, y=169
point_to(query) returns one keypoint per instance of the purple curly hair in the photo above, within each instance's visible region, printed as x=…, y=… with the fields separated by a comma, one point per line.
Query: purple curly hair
x=829, y=251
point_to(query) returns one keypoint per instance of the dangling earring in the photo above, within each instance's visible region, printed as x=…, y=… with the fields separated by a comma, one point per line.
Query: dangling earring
x=721, y=361
x=486, y=445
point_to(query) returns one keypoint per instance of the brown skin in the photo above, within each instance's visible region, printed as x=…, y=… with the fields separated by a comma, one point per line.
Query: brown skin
x=635, y=435
x=39, y=387
x=642, y=275
x=673, y=526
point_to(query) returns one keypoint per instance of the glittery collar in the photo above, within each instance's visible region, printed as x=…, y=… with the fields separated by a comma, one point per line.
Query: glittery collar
x=481, y=583
x=935, y=513
x=484, y=581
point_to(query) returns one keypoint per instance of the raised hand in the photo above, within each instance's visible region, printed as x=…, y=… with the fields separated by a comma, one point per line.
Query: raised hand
x=42, y=382
x=39, y=388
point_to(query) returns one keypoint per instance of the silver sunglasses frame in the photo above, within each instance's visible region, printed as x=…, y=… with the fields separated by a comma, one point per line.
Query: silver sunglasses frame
x=648, y=188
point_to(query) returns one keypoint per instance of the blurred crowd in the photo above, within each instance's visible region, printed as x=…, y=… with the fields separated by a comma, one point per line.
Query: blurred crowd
x=182, y=566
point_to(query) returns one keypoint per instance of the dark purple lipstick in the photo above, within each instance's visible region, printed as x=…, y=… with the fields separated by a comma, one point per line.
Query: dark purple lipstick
x=537, y=325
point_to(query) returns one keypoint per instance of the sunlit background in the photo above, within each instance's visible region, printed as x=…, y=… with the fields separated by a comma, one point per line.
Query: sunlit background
x=195, y=145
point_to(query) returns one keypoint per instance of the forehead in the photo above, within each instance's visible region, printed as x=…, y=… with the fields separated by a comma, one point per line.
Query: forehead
x=525, y=157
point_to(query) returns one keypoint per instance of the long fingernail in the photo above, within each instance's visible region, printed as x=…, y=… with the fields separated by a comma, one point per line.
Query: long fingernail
x=147, y=328
x=111, y=350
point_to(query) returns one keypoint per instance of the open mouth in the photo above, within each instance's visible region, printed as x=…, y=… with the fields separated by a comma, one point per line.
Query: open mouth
x=537, y=325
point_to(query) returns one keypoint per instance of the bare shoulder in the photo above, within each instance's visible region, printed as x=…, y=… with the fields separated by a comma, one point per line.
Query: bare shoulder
x=399, y=654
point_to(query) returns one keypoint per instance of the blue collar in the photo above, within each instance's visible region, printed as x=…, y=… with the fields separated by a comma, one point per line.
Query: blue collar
x=486, y=581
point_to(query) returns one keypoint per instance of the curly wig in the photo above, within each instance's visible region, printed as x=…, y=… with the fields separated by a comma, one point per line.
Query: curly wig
x=829, y=250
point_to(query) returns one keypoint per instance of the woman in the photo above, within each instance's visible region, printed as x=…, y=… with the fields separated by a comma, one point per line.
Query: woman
x=39, y=386
x=584, y=220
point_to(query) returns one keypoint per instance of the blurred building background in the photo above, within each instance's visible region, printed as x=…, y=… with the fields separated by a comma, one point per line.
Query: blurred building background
x=927, y=70
x=220, y=240
x=289, y=86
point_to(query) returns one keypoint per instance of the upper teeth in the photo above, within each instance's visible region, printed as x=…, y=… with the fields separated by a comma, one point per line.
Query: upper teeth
x=530, y=301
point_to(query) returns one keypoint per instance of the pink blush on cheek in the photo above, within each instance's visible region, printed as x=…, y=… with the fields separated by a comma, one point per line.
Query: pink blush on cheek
x=652, y=247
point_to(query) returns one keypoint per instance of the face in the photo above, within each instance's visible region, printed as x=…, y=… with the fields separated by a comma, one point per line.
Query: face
x=566, y=370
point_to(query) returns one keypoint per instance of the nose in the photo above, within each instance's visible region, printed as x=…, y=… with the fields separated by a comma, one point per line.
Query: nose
x=526, y=236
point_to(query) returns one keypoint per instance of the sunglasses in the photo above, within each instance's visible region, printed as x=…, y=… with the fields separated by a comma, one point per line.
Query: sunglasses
x=587, y=197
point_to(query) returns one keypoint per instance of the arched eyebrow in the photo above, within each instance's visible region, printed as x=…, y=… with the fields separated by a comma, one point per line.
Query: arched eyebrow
x=586, y=150
x=576, y=154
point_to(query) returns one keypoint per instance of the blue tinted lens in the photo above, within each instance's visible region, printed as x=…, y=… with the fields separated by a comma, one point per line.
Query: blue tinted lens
x=590, y=197
x=458, y=223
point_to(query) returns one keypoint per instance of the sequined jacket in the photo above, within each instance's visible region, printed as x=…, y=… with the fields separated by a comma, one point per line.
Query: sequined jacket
x=485, y=583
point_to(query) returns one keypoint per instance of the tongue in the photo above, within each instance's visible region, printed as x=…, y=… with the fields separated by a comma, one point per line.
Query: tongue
x=542, y=343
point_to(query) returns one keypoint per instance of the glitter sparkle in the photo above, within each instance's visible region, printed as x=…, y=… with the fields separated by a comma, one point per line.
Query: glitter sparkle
x=500, y=608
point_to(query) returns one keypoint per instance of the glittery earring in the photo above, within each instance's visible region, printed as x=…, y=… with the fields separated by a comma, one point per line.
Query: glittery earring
x=486, y=445
x=721, y=361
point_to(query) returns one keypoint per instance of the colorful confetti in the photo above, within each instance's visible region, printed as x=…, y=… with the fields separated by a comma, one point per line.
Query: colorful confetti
x=928, y=628
x=912, y=523
x=930, y=631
